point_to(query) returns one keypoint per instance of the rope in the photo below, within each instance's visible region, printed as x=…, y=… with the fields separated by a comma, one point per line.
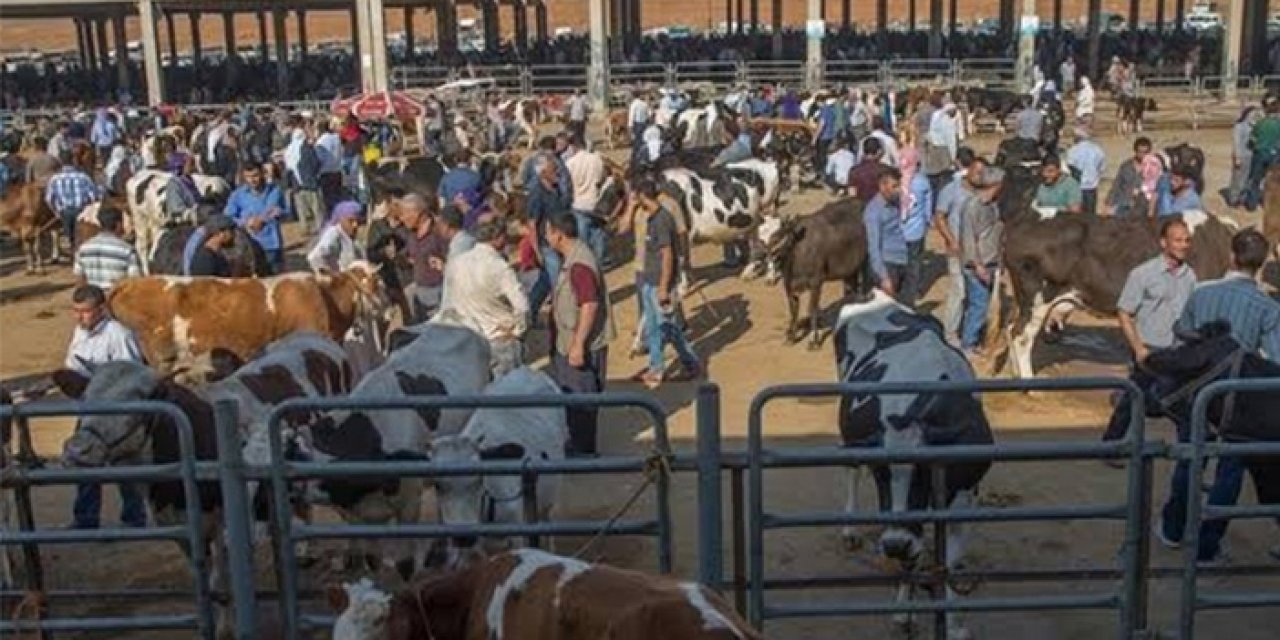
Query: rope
x=657, y=464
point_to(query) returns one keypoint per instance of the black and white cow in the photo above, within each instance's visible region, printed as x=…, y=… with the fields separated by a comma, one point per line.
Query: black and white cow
x=726, y=205
x=526, y=433
x=881, y=340
x=301, y=365
x=147, y=191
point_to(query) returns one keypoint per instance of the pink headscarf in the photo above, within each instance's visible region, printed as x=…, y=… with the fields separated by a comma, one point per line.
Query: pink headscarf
x=908, y=164
x=1152, y=169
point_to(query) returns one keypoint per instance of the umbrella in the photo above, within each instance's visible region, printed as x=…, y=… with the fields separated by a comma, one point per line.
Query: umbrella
x=371, y=106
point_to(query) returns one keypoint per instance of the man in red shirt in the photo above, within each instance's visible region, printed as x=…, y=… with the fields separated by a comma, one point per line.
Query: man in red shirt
x=581, y=328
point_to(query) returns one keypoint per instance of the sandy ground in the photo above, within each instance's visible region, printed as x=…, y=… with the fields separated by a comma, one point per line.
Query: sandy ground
x=738, y=328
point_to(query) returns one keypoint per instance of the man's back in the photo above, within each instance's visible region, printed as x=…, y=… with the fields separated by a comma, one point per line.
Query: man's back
x=1266, y=134
x=1030, y=124
x=1235, y=298
x=105, y=259
x=209, y=263
x=586, y=172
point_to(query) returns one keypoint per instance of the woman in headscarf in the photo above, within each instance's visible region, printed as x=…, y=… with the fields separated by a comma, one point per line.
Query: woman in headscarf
x=1241, y=155
x=1152, y=172
x=1085, y=103
x=336, y=248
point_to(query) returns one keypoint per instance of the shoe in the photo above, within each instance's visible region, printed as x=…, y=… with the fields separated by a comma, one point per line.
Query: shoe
x=1168, y=543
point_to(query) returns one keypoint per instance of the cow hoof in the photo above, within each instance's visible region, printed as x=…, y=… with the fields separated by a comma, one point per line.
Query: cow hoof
x=853, y=543
x=791, y=338
x=814, y=345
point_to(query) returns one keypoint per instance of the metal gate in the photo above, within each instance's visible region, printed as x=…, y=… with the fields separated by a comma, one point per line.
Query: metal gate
x=29, y=538
x=1129, y=600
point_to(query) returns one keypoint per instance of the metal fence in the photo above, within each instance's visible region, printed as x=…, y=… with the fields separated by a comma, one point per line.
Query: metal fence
x=855, y=72
x=995, y=73
x=21, y=478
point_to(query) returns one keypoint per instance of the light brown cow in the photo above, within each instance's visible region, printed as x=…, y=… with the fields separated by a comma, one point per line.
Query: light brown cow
x=179, y=318
x=533, y=595
x=615, y=128
x=24, y=213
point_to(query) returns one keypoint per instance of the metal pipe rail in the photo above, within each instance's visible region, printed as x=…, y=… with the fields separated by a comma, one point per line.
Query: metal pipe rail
x=284, y=472
x=188, y=534
x=1196, y=455
x=1130, y=600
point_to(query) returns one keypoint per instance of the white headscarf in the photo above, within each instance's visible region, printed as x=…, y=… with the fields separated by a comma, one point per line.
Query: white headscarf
x=293, y=152
x=216, y=134
x=1084, y=99
x=942, y=128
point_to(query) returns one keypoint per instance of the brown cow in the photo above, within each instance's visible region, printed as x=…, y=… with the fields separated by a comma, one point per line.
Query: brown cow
x=615, y=128
x=24, y=213
x=178, y=318
x=533, y=595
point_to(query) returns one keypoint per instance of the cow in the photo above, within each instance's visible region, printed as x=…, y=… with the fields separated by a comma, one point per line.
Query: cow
x=1019, y=152
x=435, y=360
x=616, y=128
x=1059, y=262
x=997, y=103
x=526, y=433
x=297, y=366
x=401, y=175
x=1130, y=111
x=881, y=341
x=829, y=245
x=534, y=595
x=527, y=113
x=178, y=319
x=24, y=213
x=146, y=192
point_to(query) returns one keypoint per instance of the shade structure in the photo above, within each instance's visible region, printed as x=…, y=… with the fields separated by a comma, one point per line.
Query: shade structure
x=383, y=104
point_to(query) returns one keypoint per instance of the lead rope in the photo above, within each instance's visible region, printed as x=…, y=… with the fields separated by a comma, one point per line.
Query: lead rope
x=656, y=465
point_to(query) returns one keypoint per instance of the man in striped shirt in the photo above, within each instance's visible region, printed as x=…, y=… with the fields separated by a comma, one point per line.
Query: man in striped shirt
x=1255, y=326
x=70, y=190
x=105, y=259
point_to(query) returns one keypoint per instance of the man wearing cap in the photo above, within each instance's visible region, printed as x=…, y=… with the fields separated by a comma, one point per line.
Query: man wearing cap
x=578, y=108
x=209, y=257
x=258, y=206
x=1088, y=162
x=980, y=234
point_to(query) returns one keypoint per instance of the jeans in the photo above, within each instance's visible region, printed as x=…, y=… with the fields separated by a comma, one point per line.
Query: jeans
x=977, y=296
x=589, y=378
x=1262, y=161
x=1089, y=200
x=307, y=205
x=1227, y=483
x=88, y=506
x=954, y=304
x=913, y=276
x=546, y=282
x=660, y=328
x=275, y=260
x=592, y=233
x=68, y=217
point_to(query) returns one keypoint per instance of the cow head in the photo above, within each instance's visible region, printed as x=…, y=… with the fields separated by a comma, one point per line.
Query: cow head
x=364, y=611
x=371, y=299
x=106, y=439
x=472, y=499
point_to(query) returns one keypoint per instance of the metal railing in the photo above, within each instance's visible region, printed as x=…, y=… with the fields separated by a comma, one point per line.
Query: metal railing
x=720, y=75
x=556, y=79
x=855, y=72
x=1130, y=600
x=1196, y=456
x=995, y=73
x=21, y=478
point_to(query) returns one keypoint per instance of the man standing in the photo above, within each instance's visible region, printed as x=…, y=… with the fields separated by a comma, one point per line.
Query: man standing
x=1030, y=122
x=545, y=201
x=579, y=109
x=460, y=177
x=70, y=190
x=97, y=339
x=329, y=149
x=886, y=246
x=949, y=221
x=638, y=119
x=864, y=179
x=1255, y=325
x=1152, y=300
x=105, y=258
x=1182, y=196
x=581, y=328
x=658, y=282
x=258, y=207
x=482, y=288
x=209, y=257
x=825, y=133
x=1122, y=199
x=40, y=165
x=1057, y=191
x=915, y=225
x=586, y=173
x=1265, y=140
x=426, y=249
x=302, y=162
x=979, y=250
x=1088, y=161
x=839, y=164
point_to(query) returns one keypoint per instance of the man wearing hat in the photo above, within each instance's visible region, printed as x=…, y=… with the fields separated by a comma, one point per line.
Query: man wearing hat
x=209, y=257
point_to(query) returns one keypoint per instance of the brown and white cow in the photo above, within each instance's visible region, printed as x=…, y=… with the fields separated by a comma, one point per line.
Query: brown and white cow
x=616, y=128
x=534, y=595
x=179, y=318
x=24, y=213
x=527, y=113
x=1057, y=263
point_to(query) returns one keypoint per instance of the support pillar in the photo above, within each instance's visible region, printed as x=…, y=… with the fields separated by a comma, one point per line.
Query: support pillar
x=1180, y=15
x=371, y=30
x=197, y=48
x=882, y=22
x=1159, y=16
x=777, y=29
x=80, y=45
x=171, y=32
x=492, y=24
x=447, y=27
x=637, y=21
x=356, y=47
x=1027, y=27
x=540, y=21
x=598, y=72
x=302, y=32
x=955, y=11
x=1257, y=61
x=408, y=32
x=935, y=28
x=282, y=51
x=229, y=35
x=1094, y=33
x=728, y=15
x=150, y=50
x=846, y=14
x=104, y=51
x=815, y=30
x=263, y=51
x=1057, y=15
x=1234, y=37
x=755, y=17
x=1135, y=6
x=522, y=25
x=911, y=16
x=739, y=19
x=122, y=51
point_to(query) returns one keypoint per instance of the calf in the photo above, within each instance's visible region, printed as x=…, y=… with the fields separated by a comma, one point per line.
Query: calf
x=615, y=128
x=829, y=245
x=24, y=213
x=529, y=434
x=1130, y=111
x=179, y=318
x=533, y=595
x=881, y=340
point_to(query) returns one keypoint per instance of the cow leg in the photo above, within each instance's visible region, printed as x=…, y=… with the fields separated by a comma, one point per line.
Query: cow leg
x=815, y=294
x=793, y=311
x=409, y=511
x=955, y=560
x=1021, y=343
x=31, y=254
x=903, y=623
x=853, y=476
x=224, y=622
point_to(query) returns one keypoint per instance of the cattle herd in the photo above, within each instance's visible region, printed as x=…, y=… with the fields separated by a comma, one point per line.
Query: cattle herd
x=259, y=341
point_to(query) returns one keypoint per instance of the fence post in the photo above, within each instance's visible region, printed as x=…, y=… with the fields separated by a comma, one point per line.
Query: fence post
x=710, y=509
x=235, y=510
x=26, y=514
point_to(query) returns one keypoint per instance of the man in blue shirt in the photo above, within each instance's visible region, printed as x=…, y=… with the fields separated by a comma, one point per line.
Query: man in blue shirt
x=460, y=177
x=886, y=246
x=825, y=134
x=947, y=217
x=914, y=228
x=1255, y=326
x=1181, y=196
x=69, y=191
x=258, y=207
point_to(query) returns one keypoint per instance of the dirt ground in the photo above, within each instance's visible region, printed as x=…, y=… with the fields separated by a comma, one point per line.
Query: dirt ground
x=738, y=328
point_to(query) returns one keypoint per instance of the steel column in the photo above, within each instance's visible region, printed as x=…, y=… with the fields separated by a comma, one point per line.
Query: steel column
x=1159, y=15
x=777, y=29
x=282, y=51
x=540, y=21
x=408, y=32
x=1057, y=15
x=197, y=48
x=301, y=16
x=1180, y=14
x=955, y=10
x=447, y=26
x=755, y=17
x=911, y=16
x=710, y=511
x=264, y=51
x=1135, y=6
x=882, y=23
x=846, y=14
x=236, y=516
x=1027, y=45
x=522, y=24
x=728, y=14
x=171, y=31
x=598, y=72
x=104, y=50
x=122, y=52
x=935, y=28
x=813, y=52
x=1094, y=34
x=151, y=51
x=739, y=18
x=1231, y=44
x=1255, y=53
x=81, y=48
x=492, y=23
x=229, y=35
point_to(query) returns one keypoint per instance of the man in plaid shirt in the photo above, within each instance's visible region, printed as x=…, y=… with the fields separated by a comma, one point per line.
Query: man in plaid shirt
x=70, y=190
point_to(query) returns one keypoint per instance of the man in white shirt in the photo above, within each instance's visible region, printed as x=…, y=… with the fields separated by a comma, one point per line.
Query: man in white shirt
x=638, y=118
x=839, y=164
x=98, y=338
x=578, y=109
x=887, y=143
x=586, y=173
x=483, y=292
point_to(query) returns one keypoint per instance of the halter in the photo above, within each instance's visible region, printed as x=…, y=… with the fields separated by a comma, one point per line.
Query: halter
x=148, y=426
